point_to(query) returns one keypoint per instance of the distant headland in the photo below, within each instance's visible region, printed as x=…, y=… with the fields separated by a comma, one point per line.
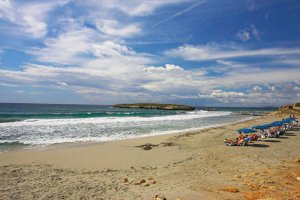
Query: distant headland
x=155, y=106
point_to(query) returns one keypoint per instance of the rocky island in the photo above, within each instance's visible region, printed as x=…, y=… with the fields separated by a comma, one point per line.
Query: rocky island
x=155, y=106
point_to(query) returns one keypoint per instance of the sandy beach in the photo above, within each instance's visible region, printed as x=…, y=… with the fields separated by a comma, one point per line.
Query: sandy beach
x=188, y=166
x=149, y=100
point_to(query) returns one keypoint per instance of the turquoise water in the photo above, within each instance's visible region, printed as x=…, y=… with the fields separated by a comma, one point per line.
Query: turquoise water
x=19, y=112
x=36, y=125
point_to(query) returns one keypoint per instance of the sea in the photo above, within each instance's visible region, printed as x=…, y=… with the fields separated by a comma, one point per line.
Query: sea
x=29, y=126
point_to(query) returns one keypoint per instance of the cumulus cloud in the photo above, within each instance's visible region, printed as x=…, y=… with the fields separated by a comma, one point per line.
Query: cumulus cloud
x=136, y=81
x=167, y=67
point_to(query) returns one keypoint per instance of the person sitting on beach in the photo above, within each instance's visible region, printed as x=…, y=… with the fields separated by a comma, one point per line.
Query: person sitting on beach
x=240, y=141
x=254, y=137
x=242, y=136
x=237, y=141
x=232, y=141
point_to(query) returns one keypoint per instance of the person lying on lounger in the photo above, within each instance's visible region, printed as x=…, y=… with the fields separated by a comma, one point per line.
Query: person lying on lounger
x=237, y=142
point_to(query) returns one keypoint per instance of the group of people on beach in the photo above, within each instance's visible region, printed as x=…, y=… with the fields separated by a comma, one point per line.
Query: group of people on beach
x=274, y=129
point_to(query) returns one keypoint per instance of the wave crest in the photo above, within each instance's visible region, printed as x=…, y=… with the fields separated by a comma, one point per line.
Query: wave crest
x=104, y=120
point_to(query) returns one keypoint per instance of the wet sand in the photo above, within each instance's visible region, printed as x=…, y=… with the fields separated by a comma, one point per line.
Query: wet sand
x=190, y=165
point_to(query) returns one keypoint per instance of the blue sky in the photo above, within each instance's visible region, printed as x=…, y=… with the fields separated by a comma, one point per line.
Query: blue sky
x=204, y=52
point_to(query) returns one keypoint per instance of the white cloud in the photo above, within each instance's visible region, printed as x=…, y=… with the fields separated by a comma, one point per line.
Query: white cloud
x=132, y=81
x=114, y=28
x=111, y=49
x=289, y=61
x=8, y=85
x=273, y=88
x=226, y=67
x=62, y=83
x=30, y=17
x=136, y=7
x=6, y=10
x=260, y=77
x=167, y=67
x=33, y=18
x=257, y=88
x=224, y=62
x=248, y=33
x=173, y=67
x=224, y=94
x=243, y=35
x=67, y=48
x=217, y=51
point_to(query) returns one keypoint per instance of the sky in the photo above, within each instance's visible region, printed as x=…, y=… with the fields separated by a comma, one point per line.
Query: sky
x=196, y=52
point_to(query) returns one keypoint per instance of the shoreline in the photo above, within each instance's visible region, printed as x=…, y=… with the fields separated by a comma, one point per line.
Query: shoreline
x=84, y=143
x=189, y=165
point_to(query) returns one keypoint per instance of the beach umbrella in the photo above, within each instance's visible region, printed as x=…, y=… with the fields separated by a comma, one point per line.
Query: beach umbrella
x=288, y=120
x=259, y=127
x=277, y=123
x=267, y=125
x=246, y=130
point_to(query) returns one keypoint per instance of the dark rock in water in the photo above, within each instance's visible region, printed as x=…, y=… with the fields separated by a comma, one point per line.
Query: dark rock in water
x=155, y=106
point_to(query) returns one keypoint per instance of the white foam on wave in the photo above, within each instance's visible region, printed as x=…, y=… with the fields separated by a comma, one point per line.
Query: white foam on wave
x=101, y=129
x=109, y=120
x=50, y=141
x=61, y=140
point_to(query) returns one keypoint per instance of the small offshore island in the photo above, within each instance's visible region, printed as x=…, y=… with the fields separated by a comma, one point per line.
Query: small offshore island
x=155, y=106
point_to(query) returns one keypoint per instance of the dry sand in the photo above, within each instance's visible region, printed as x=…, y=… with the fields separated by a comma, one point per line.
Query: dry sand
x=187, y=166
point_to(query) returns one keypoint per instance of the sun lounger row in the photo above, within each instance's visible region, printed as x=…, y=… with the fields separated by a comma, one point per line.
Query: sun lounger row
x=274, y=129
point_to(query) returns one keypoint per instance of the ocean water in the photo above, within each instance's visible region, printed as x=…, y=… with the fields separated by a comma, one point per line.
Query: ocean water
x=40, y=125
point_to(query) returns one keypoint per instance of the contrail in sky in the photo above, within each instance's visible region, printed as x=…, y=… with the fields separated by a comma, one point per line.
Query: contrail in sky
x=180, y=12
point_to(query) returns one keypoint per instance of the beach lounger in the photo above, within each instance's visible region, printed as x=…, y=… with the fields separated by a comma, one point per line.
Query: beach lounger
x=273, y=134
x=242, y=142
x=254, y=137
